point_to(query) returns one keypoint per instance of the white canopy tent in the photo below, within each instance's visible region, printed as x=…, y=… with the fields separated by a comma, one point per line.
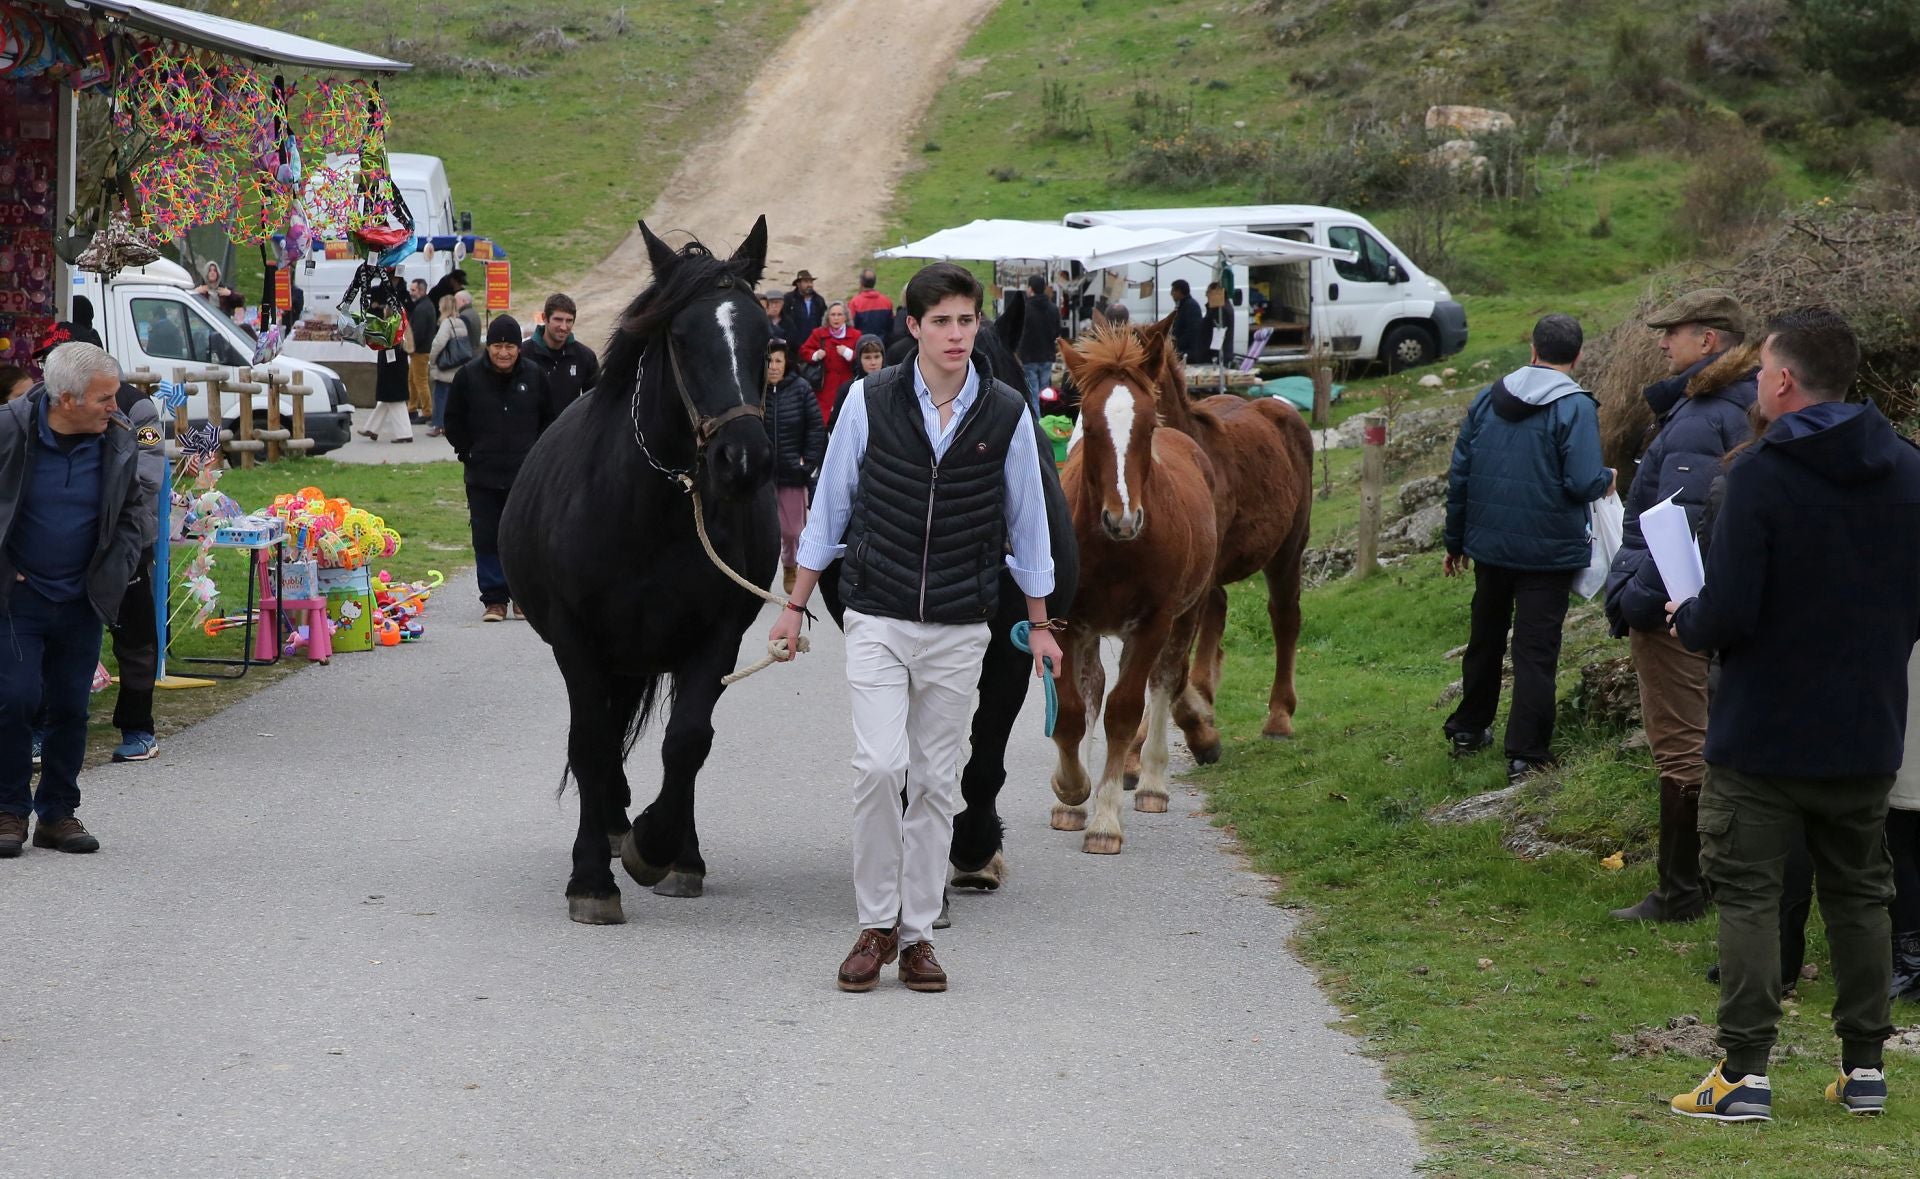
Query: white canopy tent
x=1236, y=246
x=1002, y=240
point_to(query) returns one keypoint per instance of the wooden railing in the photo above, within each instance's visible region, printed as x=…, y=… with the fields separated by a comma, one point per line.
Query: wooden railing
x=279, y=439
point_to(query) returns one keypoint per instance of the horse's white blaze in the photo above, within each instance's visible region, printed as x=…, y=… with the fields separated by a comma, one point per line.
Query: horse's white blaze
x=1119, y=412
x=724, y=315
x=1079, y=431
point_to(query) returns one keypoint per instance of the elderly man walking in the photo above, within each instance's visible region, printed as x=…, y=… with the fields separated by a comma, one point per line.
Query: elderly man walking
x=75, y=520
x=1812, y=599
x=1525, y=468
x=1700, y=411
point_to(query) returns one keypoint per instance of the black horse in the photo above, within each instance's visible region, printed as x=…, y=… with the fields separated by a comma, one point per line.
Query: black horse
x=1005, y=672
x=600, y=549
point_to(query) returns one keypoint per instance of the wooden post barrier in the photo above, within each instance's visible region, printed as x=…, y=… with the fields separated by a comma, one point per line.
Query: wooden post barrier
x=1373, y=464
x=276, y=435
x=245, y=445
x=299, y=444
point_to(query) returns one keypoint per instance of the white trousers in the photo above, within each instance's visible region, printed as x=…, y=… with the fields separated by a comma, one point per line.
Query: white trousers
x=912, y=685
x=390, y=414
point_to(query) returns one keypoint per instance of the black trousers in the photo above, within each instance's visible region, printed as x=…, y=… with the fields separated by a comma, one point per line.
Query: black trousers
x=136, y=647
x=1903, y=842
x=1535, y=606
x=484, y=505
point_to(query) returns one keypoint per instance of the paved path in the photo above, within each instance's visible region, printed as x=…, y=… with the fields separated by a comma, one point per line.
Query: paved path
x=325, y=937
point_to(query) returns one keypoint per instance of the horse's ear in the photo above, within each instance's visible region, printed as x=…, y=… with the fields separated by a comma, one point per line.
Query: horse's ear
x=1071, y=357
x=1154, y=340
x=750, y=260
x=659, y=254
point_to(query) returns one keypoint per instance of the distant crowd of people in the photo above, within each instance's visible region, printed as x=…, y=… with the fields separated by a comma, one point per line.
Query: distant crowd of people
x=1780, y=776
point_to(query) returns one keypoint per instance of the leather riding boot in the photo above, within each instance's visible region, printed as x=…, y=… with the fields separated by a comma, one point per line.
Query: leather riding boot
x=1653, y=906
x=1906, y=966
x=1686, y=896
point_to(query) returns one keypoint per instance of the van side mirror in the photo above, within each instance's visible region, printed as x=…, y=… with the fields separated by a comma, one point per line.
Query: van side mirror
x=466, y=222
x=1396, y=273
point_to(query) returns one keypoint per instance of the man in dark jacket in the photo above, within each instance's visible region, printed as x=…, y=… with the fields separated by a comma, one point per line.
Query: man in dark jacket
x=1525, y=467
x=570, y=366
x=422, y=322
x=1039, y=340
x=801, y=311
x=1812, y=599
x=75, y=519
x=497, y=408
x=1189, y=324
x=1700, y=411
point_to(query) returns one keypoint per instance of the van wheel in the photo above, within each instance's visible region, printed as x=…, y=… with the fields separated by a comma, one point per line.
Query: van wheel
x=1408, y=346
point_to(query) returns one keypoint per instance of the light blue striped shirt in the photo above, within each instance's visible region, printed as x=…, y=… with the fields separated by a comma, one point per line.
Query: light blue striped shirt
x=823, y=540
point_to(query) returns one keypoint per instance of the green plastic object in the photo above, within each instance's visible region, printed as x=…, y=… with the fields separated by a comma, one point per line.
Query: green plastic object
x=1296, y=389
x=1059, y=428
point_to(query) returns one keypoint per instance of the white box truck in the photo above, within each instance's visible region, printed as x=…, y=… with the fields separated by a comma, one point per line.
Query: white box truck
x=149, y=318
x=1380, y=306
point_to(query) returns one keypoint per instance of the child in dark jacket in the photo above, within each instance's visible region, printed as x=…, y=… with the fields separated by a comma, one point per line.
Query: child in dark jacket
x=799, y=440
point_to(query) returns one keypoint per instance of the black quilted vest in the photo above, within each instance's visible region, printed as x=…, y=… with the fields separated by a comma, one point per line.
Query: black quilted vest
x=926, y=542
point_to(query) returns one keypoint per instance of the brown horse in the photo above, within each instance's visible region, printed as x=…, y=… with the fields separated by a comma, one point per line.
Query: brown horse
x=1262, y=456
x=1143, y=513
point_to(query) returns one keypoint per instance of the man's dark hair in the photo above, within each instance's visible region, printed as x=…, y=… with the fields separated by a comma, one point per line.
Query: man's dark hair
x=1036, y=284
x=942, y=280
x=1180, y=288
x=559, y=302
x=458, y=275
x=1557, y=339
x=1820, y=349
x=868, y=280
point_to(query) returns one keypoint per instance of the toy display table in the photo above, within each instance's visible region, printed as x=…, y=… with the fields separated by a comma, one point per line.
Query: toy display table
x=256, y=634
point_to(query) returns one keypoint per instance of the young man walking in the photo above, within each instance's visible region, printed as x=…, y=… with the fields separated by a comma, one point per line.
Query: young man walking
x=931, y=475
x=1525, y=467
x=1039, y=340
x=570, y=366
x=1811, y=601
x=1701, y=415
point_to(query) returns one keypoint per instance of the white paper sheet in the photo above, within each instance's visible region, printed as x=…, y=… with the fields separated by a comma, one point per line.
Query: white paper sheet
x=1675, y=551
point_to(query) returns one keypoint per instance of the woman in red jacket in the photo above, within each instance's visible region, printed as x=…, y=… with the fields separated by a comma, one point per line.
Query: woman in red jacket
x=832, y=344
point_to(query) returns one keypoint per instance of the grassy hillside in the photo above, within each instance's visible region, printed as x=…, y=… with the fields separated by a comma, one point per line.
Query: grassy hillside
x=559, y=123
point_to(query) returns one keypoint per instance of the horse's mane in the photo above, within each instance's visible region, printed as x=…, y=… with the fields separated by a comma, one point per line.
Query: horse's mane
x=695, y=272
x=1111, y=354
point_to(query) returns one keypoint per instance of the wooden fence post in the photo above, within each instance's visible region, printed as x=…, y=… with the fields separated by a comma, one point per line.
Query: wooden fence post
x=1373, y=471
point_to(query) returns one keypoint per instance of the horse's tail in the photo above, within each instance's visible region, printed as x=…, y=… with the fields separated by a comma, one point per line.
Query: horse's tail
x=630, y=706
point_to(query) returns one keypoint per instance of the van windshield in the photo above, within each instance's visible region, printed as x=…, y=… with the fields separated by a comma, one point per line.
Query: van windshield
x=170, y=329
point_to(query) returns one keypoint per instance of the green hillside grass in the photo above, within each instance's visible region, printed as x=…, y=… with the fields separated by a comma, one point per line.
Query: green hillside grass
x=556, y=165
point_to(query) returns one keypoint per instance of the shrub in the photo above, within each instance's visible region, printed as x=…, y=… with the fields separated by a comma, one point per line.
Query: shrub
x=1871, y=48
x=1741, y=37
x=1732, y=187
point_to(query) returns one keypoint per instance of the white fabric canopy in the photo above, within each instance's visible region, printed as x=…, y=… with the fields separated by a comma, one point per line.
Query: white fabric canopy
x=1233, y=245
x=1001, y=240
x=238, y=38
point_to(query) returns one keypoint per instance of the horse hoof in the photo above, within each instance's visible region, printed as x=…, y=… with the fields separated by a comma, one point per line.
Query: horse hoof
x=1277, y=732
x=988, y=878
x=643, y=873
x=681, y=884
x=597, y=910
x=1150, y=804
x=1065, y=818
x=1101, y=845
x=1129, y=780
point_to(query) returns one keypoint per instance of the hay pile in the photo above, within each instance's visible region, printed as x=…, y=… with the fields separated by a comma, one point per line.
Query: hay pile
x=1861, y=262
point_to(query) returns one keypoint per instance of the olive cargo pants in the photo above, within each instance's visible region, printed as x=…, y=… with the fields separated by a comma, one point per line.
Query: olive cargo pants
x=1748, y=825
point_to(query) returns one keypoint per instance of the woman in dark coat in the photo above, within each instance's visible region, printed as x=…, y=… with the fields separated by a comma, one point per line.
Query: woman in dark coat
x=799, y=445
x=390, y=395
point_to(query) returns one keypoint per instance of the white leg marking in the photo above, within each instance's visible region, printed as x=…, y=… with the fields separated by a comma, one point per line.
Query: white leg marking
x=1153, y=754
x=1119, y=413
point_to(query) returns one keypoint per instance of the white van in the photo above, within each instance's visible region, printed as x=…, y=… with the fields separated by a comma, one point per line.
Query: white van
x=1378, y=306
x=149, y=318
x=325, y=273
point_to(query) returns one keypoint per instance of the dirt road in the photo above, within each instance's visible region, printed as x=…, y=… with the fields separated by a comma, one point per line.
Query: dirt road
x=819, y=146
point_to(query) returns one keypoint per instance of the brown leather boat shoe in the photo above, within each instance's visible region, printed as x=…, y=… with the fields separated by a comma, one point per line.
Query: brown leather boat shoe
x=67, y=835
x=874, y=949
x=920, y=970
x=13, y=835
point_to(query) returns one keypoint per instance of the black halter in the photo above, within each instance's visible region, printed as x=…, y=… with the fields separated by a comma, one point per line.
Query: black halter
x=704, y=426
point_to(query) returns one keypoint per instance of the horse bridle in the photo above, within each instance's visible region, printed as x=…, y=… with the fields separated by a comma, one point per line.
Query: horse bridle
x=704, y=426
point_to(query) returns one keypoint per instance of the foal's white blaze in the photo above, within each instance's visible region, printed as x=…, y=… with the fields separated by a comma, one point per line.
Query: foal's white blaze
x=724, y=315
x=1119, y=412
x=1079, y=432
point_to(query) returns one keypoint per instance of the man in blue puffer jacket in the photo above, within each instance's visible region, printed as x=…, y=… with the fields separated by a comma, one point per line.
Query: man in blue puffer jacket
x=1700, y=414
x=1525, y=468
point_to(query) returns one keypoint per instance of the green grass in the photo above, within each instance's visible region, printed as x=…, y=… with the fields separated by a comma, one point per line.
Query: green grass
x=1509, y=1068
x=557, y=166
x=423, y=501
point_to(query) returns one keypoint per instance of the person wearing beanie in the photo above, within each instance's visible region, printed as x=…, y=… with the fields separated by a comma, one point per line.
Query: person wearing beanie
x=498, y=405
x=869, y=357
